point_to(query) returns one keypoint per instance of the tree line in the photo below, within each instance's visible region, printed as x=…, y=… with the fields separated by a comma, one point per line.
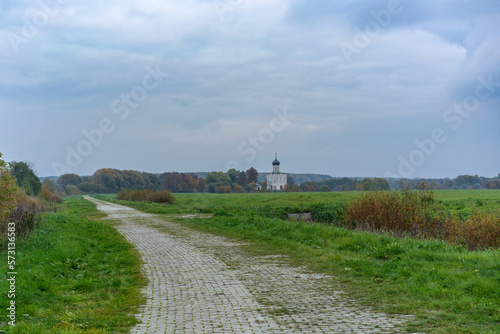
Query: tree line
x=346, y=184
x=464, y=182
x=233, y=181
x=109, y=180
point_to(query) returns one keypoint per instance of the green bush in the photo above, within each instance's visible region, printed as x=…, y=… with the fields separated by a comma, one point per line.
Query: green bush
x=331, y=214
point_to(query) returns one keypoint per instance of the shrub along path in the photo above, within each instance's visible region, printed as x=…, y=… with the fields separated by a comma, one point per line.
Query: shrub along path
x=201, y=283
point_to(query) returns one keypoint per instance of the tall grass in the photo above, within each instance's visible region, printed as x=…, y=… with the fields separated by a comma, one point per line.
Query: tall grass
x=25, y=216
x=146, y=195
x=418, y=214
x=481, y=230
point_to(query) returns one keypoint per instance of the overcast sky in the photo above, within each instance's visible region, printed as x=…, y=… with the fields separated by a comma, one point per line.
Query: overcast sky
x=345, y=88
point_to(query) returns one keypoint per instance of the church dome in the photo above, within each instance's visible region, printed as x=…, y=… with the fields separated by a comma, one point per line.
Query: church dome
x=276, y=161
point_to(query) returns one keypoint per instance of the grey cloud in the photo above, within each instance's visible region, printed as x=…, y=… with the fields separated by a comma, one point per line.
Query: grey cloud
x=226, y=77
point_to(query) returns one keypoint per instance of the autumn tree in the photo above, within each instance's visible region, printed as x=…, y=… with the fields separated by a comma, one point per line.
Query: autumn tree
x=201, y=185
x=134, y=180
x=50, y=184
x=183, y=183
x=495, y=184
x=174, y=182
x=242, y=179
x=238, y=189
x=252, y=175
x=7, y=190
x=48, y=192
x=216, y=181
x=73, y=190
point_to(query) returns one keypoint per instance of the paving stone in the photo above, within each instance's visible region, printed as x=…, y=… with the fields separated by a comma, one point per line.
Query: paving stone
x=201, y=283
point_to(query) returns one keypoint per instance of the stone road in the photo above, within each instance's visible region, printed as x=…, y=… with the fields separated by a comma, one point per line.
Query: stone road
x=201, y=283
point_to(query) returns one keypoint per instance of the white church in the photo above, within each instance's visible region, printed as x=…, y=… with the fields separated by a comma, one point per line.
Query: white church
x=276, y=180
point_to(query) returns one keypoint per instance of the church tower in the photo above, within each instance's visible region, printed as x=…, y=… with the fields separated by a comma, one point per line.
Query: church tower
x=276, y=180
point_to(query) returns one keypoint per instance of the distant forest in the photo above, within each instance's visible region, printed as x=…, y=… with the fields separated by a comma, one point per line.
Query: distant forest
x=109, y=180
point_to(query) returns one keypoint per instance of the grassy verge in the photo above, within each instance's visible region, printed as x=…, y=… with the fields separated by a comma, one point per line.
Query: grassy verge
x=450, y=289
x=74, y=275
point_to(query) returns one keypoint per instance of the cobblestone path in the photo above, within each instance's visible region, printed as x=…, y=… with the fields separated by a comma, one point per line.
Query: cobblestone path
x=201, y=283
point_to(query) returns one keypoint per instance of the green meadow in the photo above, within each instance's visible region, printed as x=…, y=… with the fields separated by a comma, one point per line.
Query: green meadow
x=458, y=201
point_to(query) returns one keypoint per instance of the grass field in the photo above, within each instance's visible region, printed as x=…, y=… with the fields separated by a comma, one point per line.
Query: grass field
x=450, y=289
x=74, y=275
x=461, y=202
